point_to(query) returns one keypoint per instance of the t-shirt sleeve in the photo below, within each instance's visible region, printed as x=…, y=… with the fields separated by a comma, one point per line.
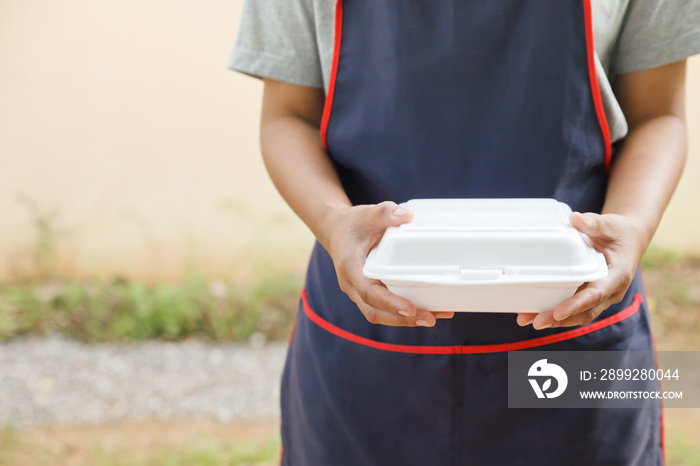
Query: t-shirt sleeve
x=277, y=40
x=656, y=33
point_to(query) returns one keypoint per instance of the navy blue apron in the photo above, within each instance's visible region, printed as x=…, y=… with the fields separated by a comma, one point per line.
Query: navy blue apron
x=457, y=99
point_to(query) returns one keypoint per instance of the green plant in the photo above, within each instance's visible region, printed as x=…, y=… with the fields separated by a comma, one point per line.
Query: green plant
x=195, y=455
x=130, y=311
x=46, y=234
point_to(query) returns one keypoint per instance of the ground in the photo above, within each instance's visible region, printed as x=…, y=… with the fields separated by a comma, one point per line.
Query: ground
x=173, y=443
x=674, y=295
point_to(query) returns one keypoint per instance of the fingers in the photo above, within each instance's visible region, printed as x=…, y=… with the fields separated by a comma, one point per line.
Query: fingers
x=375, y=315
x=544, y=320
x=525, y=319
x=380, y=306
x=392, y=316
x=588, y=298
x=582, y=308
x=376, y=294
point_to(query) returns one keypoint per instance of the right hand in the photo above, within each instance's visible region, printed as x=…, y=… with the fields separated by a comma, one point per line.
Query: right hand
x=353, y=232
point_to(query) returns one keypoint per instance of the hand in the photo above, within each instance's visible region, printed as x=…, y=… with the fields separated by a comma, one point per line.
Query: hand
x=622, y=242
x=354, y=231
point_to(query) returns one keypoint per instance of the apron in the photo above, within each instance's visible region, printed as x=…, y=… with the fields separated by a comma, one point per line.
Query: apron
x=457, y=99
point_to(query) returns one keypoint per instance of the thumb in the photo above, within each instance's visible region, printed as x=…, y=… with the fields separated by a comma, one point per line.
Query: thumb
x=389, y=214
x=590, y=224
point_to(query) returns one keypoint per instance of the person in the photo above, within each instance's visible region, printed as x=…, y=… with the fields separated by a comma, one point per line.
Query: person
x=369, y=103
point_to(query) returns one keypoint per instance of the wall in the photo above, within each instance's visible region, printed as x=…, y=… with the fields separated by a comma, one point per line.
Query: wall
x=127, y=148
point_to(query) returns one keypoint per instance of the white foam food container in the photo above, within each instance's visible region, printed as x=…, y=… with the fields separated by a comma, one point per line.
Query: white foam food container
x=485, y=255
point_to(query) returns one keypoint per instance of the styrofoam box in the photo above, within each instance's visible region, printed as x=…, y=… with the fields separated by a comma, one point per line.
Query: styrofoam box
x=485, y=255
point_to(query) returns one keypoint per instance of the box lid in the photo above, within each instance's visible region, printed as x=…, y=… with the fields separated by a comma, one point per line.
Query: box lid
x=485, y=241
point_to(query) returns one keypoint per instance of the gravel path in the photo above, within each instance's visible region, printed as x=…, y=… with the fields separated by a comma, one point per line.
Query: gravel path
x=56, y=381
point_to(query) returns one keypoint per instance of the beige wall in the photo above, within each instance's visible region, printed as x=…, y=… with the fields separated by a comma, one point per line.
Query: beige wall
x=680, y=227
x=120, y=122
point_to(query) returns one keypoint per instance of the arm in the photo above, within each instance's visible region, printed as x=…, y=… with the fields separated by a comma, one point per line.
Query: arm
x=304, y=175
x=645, y=174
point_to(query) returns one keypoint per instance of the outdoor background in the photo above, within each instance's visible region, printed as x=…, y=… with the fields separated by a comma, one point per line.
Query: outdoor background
x=120, y=123
x=129, y=167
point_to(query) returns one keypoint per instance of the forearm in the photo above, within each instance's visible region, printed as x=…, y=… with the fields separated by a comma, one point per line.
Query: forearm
x=302, y=172
x=649, y=163
x=646, y=172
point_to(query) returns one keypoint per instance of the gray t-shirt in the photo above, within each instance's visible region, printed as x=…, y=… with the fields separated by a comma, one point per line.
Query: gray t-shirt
x=292, y=41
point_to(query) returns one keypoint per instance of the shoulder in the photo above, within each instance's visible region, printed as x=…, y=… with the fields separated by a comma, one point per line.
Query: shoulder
x=277, y=39
x=656, y=33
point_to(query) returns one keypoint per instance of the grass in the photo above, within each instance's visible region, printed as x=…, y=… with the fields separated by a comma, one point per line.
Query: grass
x=200, y=443
x=673, y=294
x=120, y=310
x=144, y=444
x=680, y=452
x=128, y=311
x=195, y=455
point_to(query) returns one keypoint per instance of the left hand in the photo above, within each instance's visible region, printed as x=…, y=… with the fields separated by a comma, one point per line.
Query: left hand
x=622, y=242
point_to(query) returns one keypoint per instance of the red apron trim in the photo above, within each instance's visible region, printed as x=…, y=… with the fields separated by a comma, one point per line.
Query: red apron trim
x=661, y=421
x=595, y=87
x=653, y=344
x=334, y=71
x=661, y=427
x=291, y=334
x=471, y=349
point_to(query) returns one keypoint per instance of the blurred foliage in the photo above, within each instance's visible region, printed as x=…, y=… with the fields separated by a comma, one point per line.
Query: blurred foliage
x=672, y=283
x=122, y=310
x=46, y=233
x=681, y=452
x=656, y=258
x=209, y=455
